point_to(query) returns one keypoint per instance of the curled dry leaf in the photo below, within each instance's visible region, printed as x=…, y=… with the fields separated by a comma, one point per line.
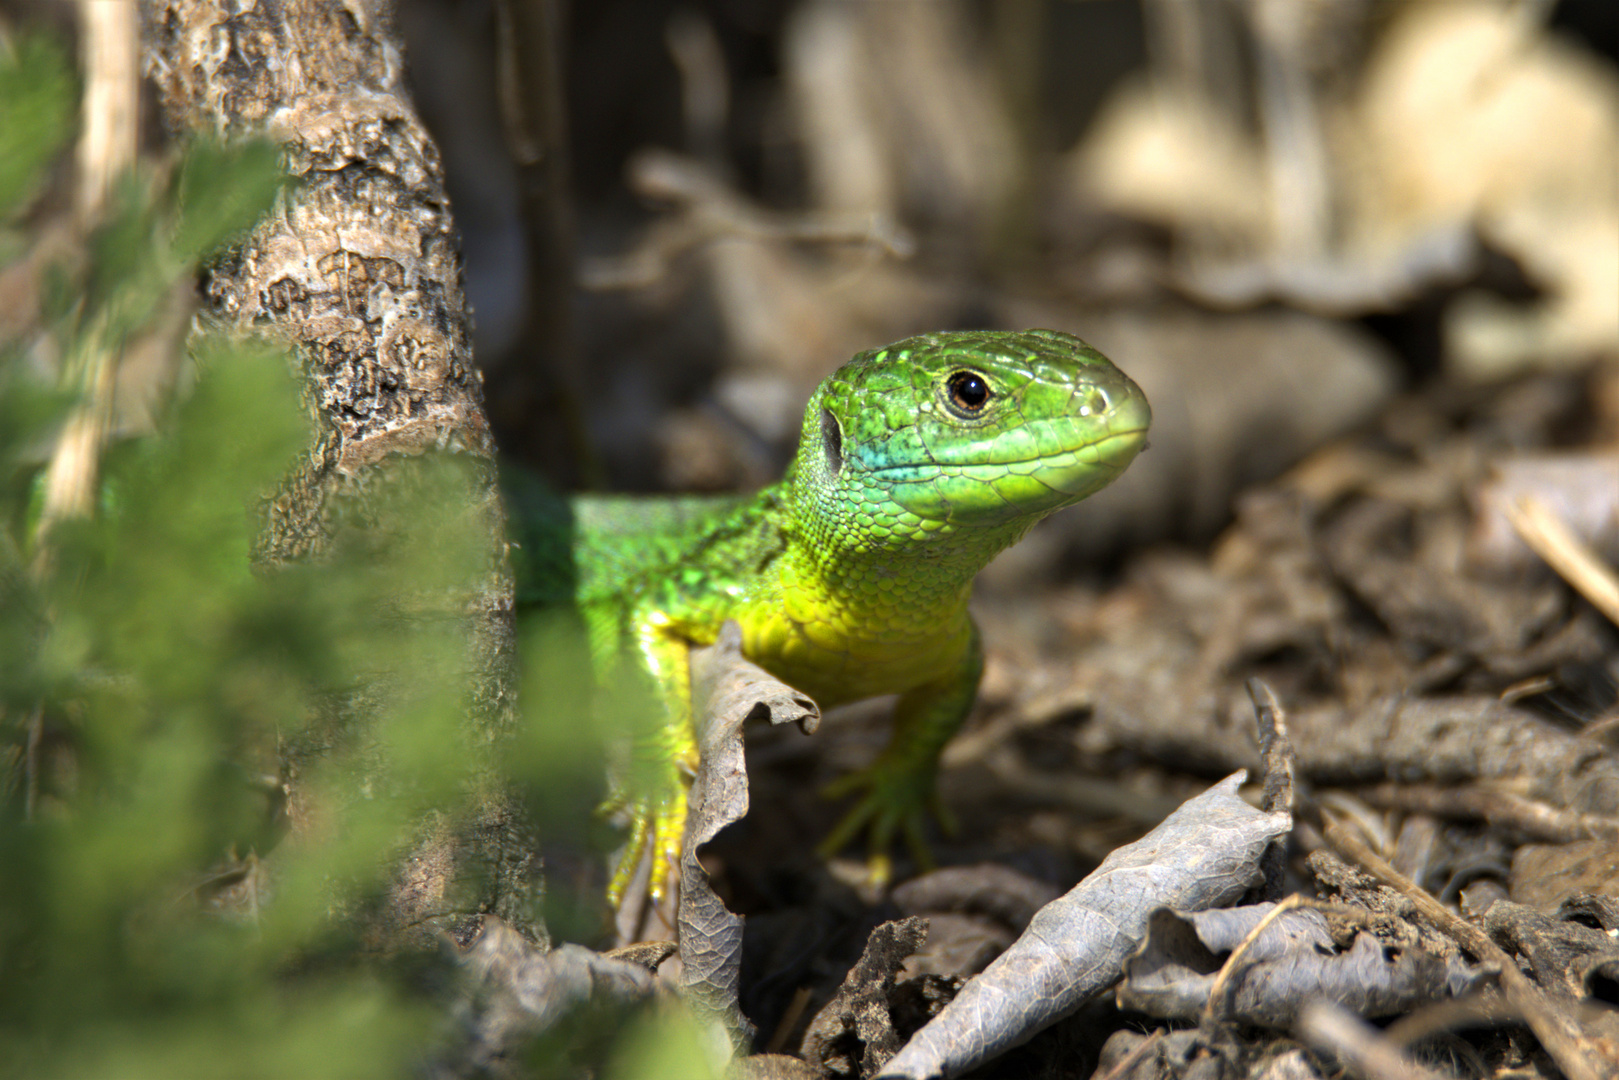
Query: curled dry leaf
x=1204, y=855
x=1294, y=959
x=727, y=691
x=1281, y=765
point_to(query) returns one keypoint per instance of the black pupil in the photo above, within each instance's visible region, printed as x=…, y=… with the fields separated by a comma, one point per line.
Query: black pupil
x=968, y=390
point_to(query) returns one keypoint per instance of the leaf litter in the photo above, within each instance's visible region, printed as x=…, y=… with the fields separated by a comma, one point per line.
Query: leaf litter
x=1425, y=677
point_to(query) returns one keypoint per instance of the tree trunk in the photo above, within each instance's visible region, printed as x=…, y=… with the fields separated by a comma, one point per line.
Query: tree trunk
x=360, y=269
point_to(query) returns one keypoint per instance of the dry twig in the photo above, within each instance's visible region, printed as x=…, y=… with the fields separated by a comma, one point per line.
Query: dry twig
x=1495, y=805
x=1356, y=1043
x=1222, y=982
x=1571, y=557
x=1127, y=1064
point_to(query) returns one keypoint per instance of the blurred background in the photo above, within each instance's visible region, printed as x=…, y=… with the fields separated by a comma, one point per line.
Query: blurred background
x=1278, y=215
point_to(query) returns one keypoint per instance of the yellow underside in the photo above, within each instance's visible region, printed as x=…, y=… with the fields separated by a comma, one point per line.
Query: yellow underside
x=838, y=657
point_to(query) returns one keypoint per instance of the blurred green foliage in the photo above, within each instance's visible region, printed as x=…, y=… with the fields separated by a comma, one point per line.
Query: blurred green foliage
x=152, y=680
x=670, y=1044
x=39, y=90
x=148, y=674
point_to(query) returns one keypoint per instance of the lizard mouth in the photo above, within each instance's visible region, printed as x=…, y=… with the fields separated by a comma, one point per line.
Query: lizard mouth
x=1103, y=449
x=997, y=491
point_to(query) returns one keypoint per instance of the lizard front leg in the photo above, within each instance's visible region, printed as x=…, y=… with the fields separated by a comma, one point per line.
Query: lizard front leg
x=662, y=759
x=900, y=786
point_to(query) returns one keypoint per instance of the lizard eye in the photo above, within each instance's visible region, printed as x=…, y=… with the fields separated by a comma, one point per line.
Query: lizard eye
x=968, y=393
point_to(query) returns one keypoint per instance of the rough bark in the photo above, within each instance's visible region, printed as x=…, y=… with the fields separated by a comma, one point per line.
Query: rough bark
x=360, y=269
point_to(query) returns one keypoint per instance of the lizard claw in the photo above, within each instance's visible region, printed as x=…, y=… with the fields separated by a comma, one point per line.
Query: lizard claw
x=656, y=821
x=629, y=858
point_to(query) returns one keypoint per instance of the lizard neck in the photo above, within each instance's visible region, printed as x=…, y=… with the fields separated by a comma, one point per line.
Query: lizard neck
x=875, y=564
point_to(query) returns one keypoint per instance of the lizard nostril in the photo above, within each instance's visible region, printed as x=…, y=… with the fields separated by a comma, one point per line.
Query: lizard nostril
x=1093, y=403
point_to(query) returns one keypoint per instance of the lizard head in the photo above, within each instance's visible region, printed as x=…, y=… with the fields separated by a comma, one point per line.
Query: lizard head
x=966, y=430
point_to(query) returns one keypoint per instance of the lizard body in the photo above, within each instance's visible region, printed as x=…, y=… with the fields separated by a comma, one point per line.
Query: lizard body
x=850, y=577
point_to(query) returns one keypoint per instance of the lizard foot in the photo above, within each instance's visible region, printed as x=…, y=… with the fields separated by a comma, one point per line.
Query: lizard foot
x=657, y=822
x=897, y=799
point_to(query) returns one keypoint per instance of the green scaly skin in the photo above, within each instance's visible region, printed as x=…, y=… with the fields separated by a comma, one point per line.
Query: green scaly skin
x=850, y=577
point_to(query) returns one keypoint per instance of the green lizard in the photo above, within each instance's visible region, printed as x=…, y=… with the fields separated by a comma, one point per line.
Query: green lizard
x=850, y=577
